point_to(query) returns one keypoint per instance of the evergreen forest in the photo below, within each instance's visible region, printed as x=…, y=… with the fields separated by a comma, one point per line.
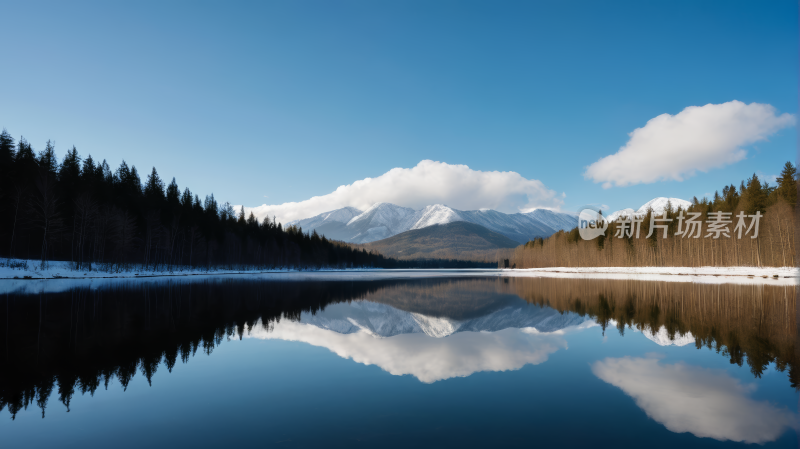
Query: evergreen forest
x=79, y=209
x=774, y=246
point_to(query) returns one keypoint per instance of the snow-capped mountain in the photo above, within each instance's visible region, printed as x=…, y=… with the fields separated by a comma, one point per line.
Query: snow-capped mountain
x=342, y=215
x=427, y=347
x=384, y=220
x=380, y=221
x=661, y=337
x=657, y=204
x=556, y=220
x=386, y=321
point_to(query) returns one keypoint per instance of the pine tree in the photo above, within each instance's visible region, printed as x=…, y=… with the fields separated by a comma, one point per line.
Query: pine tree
x=787, y=184
x=6, y=163
x=154, y=189
x=123, y=174
x=6, y=154
x=756, y=195
x=105, y=170
x=135, y=182
x=197, y=206
x=186, y=198
x=89, y=172
x=70, y=170
x=25, y=162
x=731, y=198
x=47, y=159
x=173, y=194
x=69, y=178
x=210, y=206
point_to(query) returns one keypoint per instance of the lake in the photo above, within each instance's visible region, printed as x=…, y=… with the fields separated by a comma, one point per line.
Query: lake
x=398, y=359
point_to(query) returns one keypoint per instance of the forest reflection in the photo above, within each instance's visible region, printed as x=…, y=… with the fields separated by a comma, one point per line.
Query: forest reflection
x=748, y=323
x=79, y=339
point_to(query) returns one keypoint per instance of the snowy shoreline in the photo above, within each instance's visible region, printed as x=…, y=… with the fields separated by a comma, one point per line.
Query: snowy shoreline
x=781, y=272
x=63, y=270
x=783, y=276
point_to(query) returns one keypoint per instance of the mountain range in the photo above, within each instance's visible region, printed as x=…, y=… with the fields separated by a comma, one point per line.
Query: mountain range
x=456, y=240
x=386, y=321
x=657, y=204
x=384, y=220
x=381, y=320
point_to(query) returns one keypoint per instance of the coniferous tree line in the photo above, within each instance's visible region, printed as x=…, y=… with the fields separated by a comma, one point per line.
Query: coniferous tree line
x=82, y=210
x=80, y=339
x=774, y=246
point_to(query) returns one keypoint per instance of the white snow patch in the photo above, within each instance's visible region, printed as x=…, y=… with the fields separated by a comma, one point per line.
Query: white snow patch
x=661, y=337
x=658, y=205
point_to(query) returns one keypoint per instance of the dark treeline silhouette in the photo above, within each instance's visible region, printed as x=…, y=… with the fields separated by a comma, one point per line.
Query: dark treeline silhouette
x=55, y=344
x=83, y=338
x=83, y=211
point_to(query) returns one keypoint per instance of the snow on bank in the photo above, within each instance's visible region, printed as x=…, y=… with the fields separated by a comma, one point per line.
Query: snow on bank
x=59, y=276
x=712, y=275
x=690, y=271
x=16, y=268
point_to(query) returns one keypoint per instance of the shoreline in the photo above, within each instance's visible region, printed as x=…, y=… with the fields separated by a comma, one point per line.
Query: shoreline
x=62, y=271
x=762, y=272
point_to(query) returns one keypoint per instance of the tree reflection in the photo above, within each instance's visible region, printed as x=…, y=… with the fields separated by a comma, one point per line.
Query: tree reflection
x=752, y=324
x=81, y=339
x=87, y=337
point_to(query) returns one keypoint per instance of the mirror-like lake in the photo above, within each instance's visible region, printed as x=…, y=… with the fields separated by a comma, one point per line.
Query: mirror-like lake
x=397, y=361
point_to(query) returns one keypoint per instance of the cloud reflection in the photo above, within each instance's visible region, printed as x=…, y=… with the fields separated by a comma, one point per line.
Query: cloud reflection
x=426, y=358
x=706, y=403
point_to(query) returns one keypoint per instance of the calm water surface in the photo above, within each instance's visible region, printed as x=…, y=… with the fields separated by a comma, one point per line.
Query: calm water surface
x=474, y=362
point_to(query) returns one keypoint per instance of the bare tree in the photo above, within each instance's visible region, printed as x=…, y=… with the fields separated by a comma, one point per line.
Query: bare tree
x=126, y=230
x=19, y=196
x=85, y=213
x=45, y=210
x=153, y=232
x=174, y=231
x=194, y=235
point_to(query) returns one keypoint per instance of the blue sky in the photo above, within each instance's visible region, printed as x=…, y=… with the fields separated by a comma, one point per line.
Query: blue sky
x=272, y=102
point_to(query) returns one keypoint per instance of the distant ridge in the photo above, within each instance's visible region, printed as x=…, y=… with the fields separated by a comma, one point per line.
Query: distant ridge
x=459, y=239
x=383, y=220
x=657, y=204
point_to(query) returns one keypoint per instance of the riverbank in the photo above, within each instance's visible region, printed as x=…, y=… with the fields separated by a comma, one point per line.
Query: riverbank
x=674, y=271
x=714, y=275
x=31, y=269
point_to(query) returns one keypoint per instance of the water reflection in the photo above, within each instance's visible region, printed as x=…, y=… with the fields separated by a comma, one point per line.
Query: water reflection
x=752, y=324
x=426, y=358
x=706, y=403
x=79, y=339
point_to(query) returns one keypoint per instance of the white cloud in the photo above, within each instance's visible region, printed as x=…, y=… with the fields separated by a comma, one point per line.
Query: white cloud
x=427, y=358
x=429, y=182
x=704, y=402
x=674, y=147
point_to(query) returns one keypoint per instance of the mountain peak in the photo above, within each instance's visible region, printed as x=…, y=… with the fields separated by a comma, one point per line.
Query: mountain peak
x=383, y=220
x=658, y=205
x=433, y=215
x=342, y=215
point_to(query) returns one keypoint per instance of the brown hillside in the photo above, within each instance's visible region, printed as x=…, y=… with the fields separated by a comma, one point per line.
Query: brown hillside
x=459, y=240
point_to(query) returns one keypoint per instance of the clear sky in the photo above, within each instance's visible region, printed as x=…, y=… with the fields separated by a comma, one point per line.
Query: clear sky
x=272, y=102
